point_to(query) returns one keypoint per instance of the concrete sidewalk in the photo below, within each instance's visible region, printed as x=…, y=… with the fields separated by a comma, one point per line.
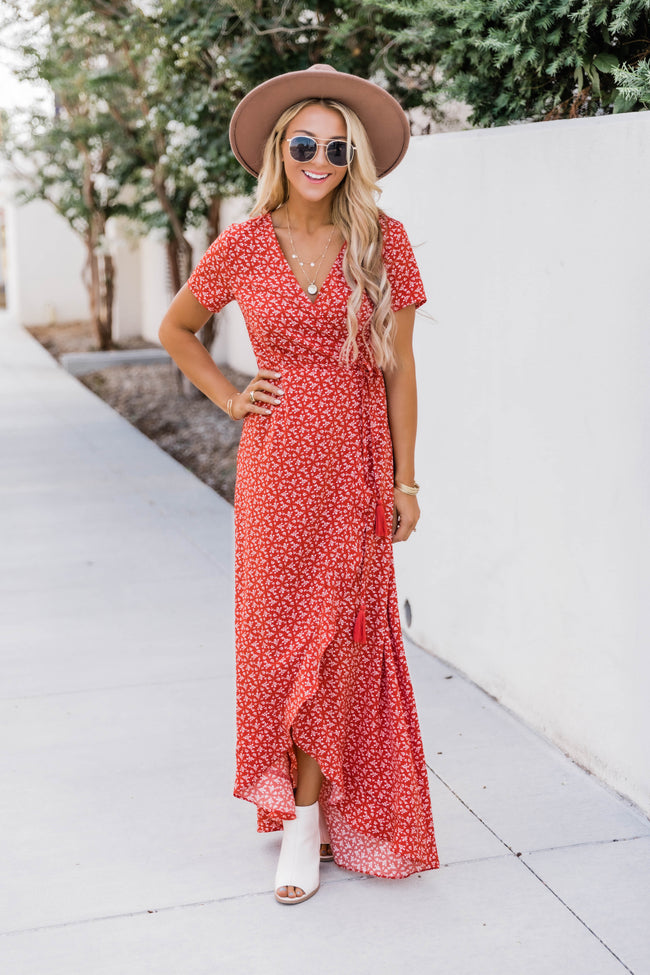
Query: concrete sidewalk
x=123, y=850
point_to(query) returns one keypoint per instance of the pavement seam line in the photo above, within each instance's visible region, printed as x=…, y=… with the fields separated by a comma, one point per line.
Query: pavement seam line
x=520, y=859
x=357, y=878
x=576, y=846
x=576, y=916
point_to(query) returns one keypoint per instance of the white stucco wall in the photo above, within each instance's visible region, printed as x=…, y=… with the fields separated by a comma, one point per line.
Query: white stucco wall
x=48, y=259
x=9, y=313
x=529, y=570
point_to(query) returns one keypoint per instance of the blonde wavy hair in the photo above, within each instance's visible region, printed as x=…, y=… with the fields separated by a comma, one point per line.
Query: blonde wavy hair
x=356, y=214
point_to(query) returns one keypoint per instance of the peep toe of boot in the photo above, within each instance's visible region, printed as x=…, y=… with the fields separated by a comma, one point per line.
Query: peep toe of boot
x=299, y=857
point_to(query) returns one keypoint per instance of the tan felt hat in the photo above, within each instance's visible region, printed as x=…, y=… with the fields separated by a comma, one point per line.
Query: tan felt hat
x=382, y=116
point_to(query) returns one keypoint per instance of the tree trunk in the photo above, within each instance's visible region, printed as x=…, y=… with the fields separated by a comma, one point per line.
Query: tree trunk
x=214, y=218
x=179, y=261
x=99, y=279
x=100, y=272
x=89, y=276
x=100, y=316
x=106, y=294
x=210, y=330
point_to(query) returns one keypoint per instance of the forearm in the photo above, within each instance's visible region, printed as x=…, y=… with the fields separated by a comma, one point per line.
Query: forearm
x=401, y=397
x=184, y=318
x=195, y=362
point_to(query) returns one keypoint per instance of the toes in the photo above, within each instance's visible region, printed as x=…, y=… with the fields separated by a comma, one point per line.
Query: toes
x=290, y=892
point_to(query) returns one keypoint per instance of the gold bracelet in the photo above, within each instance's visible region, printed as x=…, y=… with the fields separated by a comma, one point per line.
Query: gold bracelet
x=406, y=489
x=229, y=409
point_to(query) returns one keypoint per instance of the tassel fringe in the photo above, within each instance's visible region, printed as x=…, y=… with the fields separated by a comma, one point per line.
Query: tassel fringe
x=381, y=527
x=359, y=631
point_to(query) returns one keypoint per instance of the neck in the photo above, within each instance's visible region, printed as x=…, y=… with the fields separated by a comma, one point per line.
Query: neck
x=306, y=215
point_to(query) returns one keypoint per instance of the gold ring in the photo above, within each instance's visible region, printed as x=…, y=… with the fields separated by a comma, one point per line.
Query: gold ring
x=252, y=396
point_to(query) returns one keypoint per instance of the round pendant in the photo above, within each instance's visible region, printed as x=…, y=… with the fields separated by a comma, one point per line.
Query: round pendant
x=312, y=289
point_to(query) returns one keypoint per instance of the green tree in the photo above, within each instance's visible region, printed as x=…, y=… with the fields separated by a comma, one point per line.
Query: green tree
x=210, y=53
x=71, y=156
x=358, y=38
x=214, y=52
x=145, y=93
x=545, y=59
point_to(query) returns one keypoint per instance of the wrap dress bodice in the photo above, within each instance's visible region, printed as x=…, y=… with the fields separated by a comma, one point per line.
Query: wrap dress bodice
x=320, y=658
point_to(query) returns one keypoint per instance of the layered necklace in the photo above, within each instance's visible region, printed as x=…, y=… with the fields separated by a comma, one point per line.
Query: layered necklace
x=312, y=287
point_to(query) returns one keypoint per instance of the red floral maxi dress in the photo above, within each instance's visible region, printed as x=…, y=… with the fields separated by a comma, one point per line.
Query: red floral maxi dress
x=320, y=658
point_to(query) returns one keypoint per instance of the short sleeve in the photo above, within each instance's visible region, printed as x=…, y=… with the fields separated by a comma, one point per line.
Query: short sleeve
x=401, y=267
x=209, y=281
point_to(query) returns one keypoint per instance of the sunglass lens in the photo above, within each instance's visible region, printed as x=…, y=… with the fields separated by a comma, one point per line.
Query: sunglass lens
x=339, y=153
x=302, y=148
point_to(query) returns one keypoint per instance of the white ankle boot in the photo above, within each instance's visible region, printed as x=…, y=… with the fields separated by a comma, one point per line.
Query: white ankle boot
x=300, y=855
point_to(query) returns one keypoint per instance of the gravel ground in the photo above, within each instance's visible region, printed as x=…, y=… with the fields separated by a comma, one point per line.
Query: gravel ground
x=190, y=428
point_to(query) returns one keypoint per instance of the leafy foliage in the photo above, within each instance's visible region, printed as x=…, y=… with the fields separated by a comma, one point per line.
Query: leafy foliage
x=144, y=92
x=215, y=52
x=163, y=78
x=543, y=59
x=633, y=86
x=71, y=157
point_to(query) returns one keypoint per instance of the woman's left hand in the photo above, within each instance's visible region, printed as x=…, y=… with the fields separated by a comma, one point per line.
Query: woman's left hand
x=406, y=515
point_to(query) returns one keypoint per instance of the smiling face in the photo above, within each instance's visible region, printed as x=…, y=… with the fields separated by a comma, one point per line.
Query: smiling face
x=317, y=179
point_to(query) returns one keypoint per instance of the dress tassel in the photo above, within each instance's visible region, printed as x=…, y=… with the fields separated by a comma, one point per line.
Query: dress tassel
x=381, y=528
x=359, y=631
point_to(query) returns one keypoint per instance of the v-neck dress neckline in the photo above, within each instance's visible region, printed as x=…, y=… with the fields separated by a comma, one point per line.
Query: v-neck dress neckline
x=326, y=280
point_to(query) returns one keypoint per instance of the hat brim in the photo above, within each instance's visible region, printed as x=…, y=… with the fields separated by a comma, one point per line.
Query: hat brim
x=381, y=115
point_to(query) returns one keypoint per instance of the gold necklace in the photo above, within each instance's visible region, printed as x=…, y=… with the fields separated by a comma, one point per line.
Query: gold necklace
x=312, y=287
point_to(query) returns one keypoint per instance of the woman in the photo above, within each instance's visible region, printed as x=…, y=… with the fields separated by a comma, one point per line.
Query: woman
x=328, y=742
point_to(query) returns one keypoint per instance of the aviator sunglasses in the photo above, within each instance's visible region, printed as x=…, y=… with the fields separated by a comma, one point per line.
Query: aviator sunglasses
x=303, y=148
